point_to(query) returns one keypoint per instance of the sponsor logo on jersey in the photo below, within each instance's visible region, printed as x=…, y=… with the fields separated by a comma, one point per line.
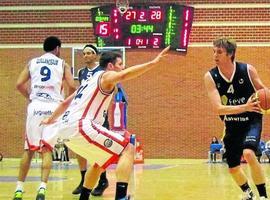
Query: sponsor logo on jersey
x=42, y=112
x=108, y=143
x=237, y=101
x=236, y=119
x=44, y=95
x=49, y=87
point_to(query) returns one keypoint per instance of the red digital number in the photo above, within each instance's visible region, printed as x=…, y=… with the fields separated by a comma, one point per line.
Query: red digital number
x=130, y=15
x=142, y=15
x=156, y=15
x=103, y=29
x=155, y=41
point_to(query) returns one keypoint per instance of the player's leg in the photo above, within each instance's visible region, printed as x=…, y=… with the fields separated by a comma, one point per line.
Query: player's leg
x=234, y=149
x=103, y=183
x=250, y=147
x=91, y=178
x=24, y=168
x=82, y=162
x=123, y=172
x=45, y=172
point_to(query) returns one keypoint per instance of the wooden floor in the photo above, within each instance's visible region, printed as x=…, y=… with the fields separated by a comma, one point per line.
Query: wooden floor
x=155, y=180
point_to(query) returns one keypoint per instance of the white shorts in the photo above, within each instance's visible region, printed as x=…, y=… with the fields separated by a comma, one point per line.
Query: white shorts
x=88, y=139
x=36, y=112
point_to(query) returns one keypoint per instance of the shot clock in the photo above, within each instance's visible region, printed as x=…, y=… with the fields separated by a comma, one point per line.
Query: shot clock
x=143, y=26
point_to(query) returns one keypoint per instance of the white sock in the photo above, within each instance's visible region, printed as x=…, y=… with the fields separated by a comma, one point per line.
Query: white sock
x=19, y=186
x=42, y=185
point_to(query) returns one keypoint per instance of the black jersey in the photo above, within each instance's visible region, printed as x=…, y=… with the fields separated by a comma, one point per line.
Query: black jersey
x=235, y=92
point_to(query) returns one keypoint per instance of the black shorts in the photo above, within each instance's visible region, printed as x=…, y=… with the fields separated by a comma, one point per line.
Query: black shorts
x=237, y=139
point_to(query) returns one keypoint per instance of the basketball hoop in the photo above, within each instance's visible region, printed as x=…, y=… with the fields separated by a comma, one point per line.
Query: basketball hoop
x=122, y=6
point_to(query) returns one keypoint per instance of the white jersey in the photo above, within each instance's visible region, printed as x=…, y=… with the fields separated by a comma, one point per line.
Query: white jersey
x=89, y=102
x=46, y=74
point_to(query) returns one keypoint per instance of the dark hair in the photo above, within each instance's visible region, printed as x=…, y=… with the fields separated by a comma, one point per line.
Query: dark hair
x=50, y=43
x=228, y=44
x=92, y=47
x=108, y=57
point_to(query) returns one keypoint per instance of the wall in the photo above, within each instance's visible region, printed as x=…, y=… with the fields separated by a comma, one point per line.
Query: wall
x=168, y=107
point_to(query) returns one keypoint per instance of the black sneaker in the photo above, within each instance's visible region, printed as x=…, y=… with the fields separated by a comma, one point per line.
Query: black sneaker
x=41, y=194
x=102, y=185
x=78, y=189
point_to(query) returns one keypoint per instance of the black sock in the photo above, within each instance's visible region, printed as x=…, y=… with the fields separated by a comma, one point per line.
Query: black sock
x=121, y=190
x=103, y=177
x=245, y=187
x=262, y=190
x=82, y=176
x=85, y=194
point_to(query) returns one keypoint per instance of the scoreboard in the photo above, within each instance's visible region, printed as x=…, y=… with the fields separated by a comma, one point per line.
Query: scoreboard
x=143, y=26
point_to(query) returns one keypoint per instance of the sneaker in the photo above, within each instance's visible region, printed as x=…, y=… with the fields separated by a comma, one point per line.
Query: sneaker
x=263, y=198
x=102, y=185
x=78, y=189
x=41, y=194
x=18, y=195
x=248, y=195
x=125, y=198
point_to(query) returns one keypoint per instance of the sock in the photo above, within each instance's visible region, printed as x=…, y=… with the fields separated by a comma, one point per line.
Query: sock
x=85, y=194
x=261, y=189
x=103, y=177
x=19, y=186
x=121, y=190
x=43, y=185
x=245, y=187
x=82, y=176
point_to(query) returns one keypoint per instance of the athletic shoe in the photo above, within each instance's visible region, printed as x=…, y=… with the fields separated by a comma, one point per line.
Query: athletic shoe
x=78, y=189
x=125, y=198
x=248, y=195
x=102, y=185
x=263, y=198
x=41, y=194
x=18, y=195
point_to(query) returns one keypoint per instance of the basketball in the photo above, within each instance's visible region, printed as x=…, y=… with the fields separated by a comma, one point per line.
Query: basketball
x=263, y=95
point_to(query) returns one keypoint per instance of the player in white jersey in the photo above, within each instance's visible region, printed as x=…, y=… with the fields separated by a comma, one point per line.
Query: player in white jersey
x=45, y=74
x=90, y=57
x=81, y=123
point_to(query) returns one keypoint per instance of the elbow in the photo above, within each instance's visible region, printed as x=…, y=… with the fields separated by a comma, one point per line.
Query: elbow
x=19, y=86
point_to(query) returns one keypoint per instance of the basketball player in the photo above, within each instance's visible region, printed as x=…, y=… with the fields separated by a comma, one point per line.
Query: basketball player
x=81, y=123
x=90, y=56
x=45, y=74
x=230, y=86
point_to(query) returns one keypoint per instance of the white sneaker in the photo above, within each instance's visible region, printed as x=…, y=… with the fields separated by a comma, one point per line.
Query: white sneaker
x=248, y=195
x=263, y=198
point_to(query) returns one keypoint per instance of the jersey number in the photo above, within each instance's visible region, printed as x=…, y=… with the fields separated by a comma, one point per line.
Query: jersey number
x=230, y=89
x=80, y=90
x=45, y=72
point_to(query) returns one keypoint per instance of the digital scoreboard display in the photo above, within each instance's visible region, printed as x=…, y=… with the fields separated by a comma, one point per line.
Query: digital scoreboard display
x=143, y=26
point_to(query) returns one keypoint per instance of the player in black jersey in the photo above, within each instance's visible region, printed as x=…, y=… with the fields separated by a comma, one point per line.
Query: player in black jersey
x=230, y=86
x=91, y=57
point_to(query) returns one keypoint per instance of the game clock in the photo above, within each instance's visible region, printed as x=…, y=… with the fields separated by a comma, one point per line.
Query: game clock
x=143, y=26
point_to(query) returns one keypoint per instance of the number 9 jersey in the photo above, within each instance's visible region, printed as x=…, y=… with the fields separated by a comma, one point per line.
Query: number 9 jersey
x=46, y=74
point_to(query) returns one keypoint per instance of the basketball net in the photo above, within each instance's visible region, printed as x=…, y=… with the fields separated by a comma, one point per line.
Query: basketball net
x=122, y=6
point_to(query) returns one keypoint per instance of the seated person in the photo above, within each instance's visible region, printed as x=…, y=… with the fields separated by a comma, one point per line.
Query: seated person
x=215, y=148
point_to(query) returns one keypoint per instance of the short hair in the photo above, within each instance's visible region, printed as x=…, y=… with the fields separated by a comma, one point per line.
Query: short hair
x=50, y=43
x=228, y=44
x=92, y=47
x=108, y=57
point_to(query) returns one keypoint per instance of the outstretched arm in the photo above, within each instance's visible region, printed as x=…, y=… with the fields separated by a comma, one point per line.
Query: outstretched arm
x=58, y=111
x=111, y=78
